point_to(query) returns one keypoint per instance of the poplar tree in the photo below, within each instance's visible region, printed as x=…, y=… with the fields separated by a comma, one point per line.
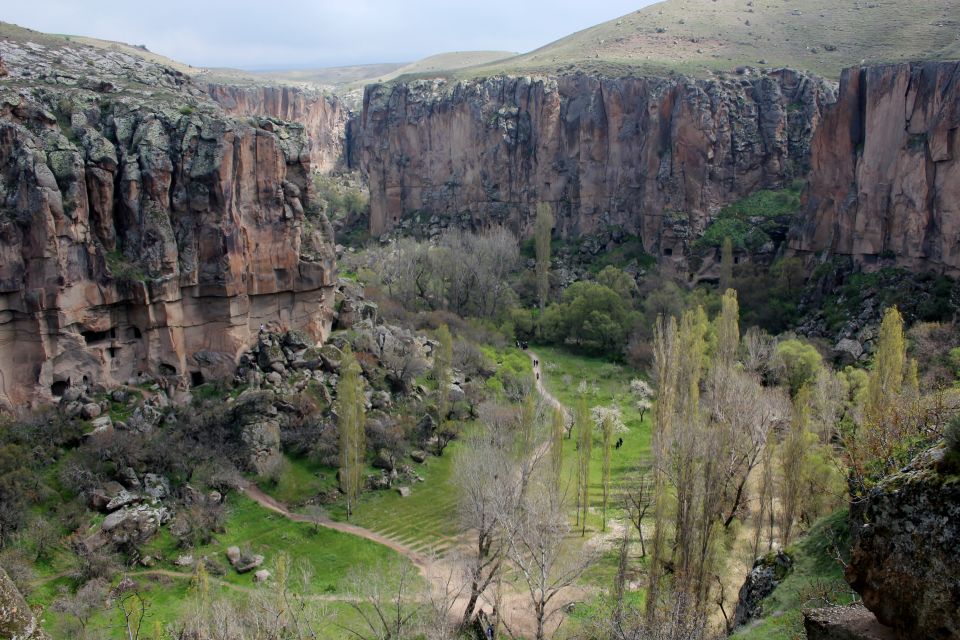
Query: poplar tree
x=606, y=426
x=793, y=453
x=543, y=229
x=726, y=264
x=886, y=378
x=727, y=327
x=351, y=414
x=442, y=363
x=556, y=443
x=584, y=446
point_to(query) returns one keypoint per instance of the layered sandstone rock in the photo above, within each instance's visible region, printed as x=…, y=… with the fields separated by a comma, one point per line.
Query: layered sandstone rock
x=141, y=229
x=655, y=156
x=885, y=169
x=323, y=116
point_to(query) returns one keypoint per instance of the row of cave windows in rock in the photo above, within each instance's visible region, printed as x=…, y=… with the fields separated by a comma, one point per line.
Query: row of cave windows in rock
x=93, y=337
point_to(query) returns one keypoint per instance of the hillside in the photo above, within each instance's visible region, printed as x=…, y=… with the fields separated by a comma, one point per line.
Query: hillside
x=699, y=36
x=442, y=62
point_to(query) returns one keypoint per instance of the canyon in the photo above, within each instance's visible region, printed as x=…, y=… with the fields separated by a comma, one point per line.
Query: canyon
x=660, y=157
x=151, y=224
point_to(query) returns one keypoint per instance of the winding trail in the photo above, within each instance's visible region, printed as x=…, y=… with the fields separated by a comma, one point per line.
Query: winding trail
x=542, y=390
x=264, y=500
x=515, y=604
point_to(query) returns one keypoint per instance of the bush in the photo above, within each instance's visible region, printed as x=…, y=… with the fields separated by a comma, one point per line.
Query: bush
x=801, y=361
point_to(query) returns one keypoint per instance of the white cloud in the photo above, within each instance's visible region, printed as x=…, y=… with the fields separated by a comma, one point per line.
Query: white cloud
x=304, y=33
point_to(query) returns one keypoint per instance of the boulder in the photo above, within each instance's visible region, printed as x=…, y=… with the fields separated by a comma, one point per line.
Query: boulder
x=90, y=410
x=905, y=537
x=184, y=561
x=248, y=563
x=385, y=460
x=844, y=623
x=257, y=423
x=848, y=351
x=418, y=456
x=101, y=424
x=767, y=572
x=331, y=357
x=404, y=492
x=122, y=499
x=233, y=555
x=156, y=486
x=17, y=619
x=270, y=355
x=261, y=576
x=129, y=478
x=297, y=340
x=381, y=400
x=133, y=524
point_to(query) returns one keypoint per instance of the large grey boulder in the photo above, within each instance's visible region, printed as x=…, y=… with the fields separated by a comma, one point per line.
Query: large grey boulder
x=17, y=619
x=767, y=572
x=905, y=548
x=844, y=623
x=258, y=424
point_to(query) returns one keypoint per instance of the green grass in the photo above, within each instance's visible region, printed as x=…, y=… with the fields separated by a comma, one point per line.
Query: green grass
x=815, y=572
x=299, y=480
x=608, y=384
x=749, y=221
x=623, y=254
x=426, y=521
x=330, y=556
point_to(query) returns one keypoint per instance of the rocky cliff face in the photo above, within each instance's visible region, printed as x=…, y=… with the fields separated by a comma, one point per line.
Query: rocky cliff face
x=141, y=229
x=885, y=169
x=323, y=117
x=654, y=156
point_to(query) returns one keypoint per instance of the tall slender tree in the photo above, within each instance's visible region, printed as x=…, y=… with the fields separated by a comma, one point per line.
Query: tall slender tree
x=556, y=442
x=606, y=426
x=584, y=446
x=442, y=375
x=886, y=379
x=542, y=232
x=351, y=423
x=726, y=264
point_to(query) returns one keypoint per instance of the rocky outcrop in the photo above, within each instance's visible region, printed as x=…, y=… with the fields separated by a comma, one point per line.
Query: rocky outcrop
x=323, y=116
x=844, y=623
x=17, y=620
x=655, y=156
x=142, y=231
x=905, y=537
x=767, y=572
x=885, y=169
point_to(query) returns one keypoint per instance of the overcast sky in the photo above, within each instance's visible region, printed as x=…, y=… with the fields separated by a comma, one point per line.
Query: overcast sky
x=303, y=34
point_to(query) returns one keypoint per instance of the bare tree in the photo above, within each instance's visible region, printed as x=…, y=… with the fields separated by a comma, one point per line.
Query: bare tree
x=535, y=532
x=484, y=479
x=83, y=604
x=638, y=499
x=386, y=601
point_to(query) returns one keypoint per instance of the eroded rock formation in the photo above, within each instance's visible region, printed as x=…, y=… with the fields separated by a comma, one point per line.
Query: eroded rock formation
x=323, y=116
x=885, y=169
x=17, y=620
x=655, y=156
x=141, y=229
x=905, y=537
